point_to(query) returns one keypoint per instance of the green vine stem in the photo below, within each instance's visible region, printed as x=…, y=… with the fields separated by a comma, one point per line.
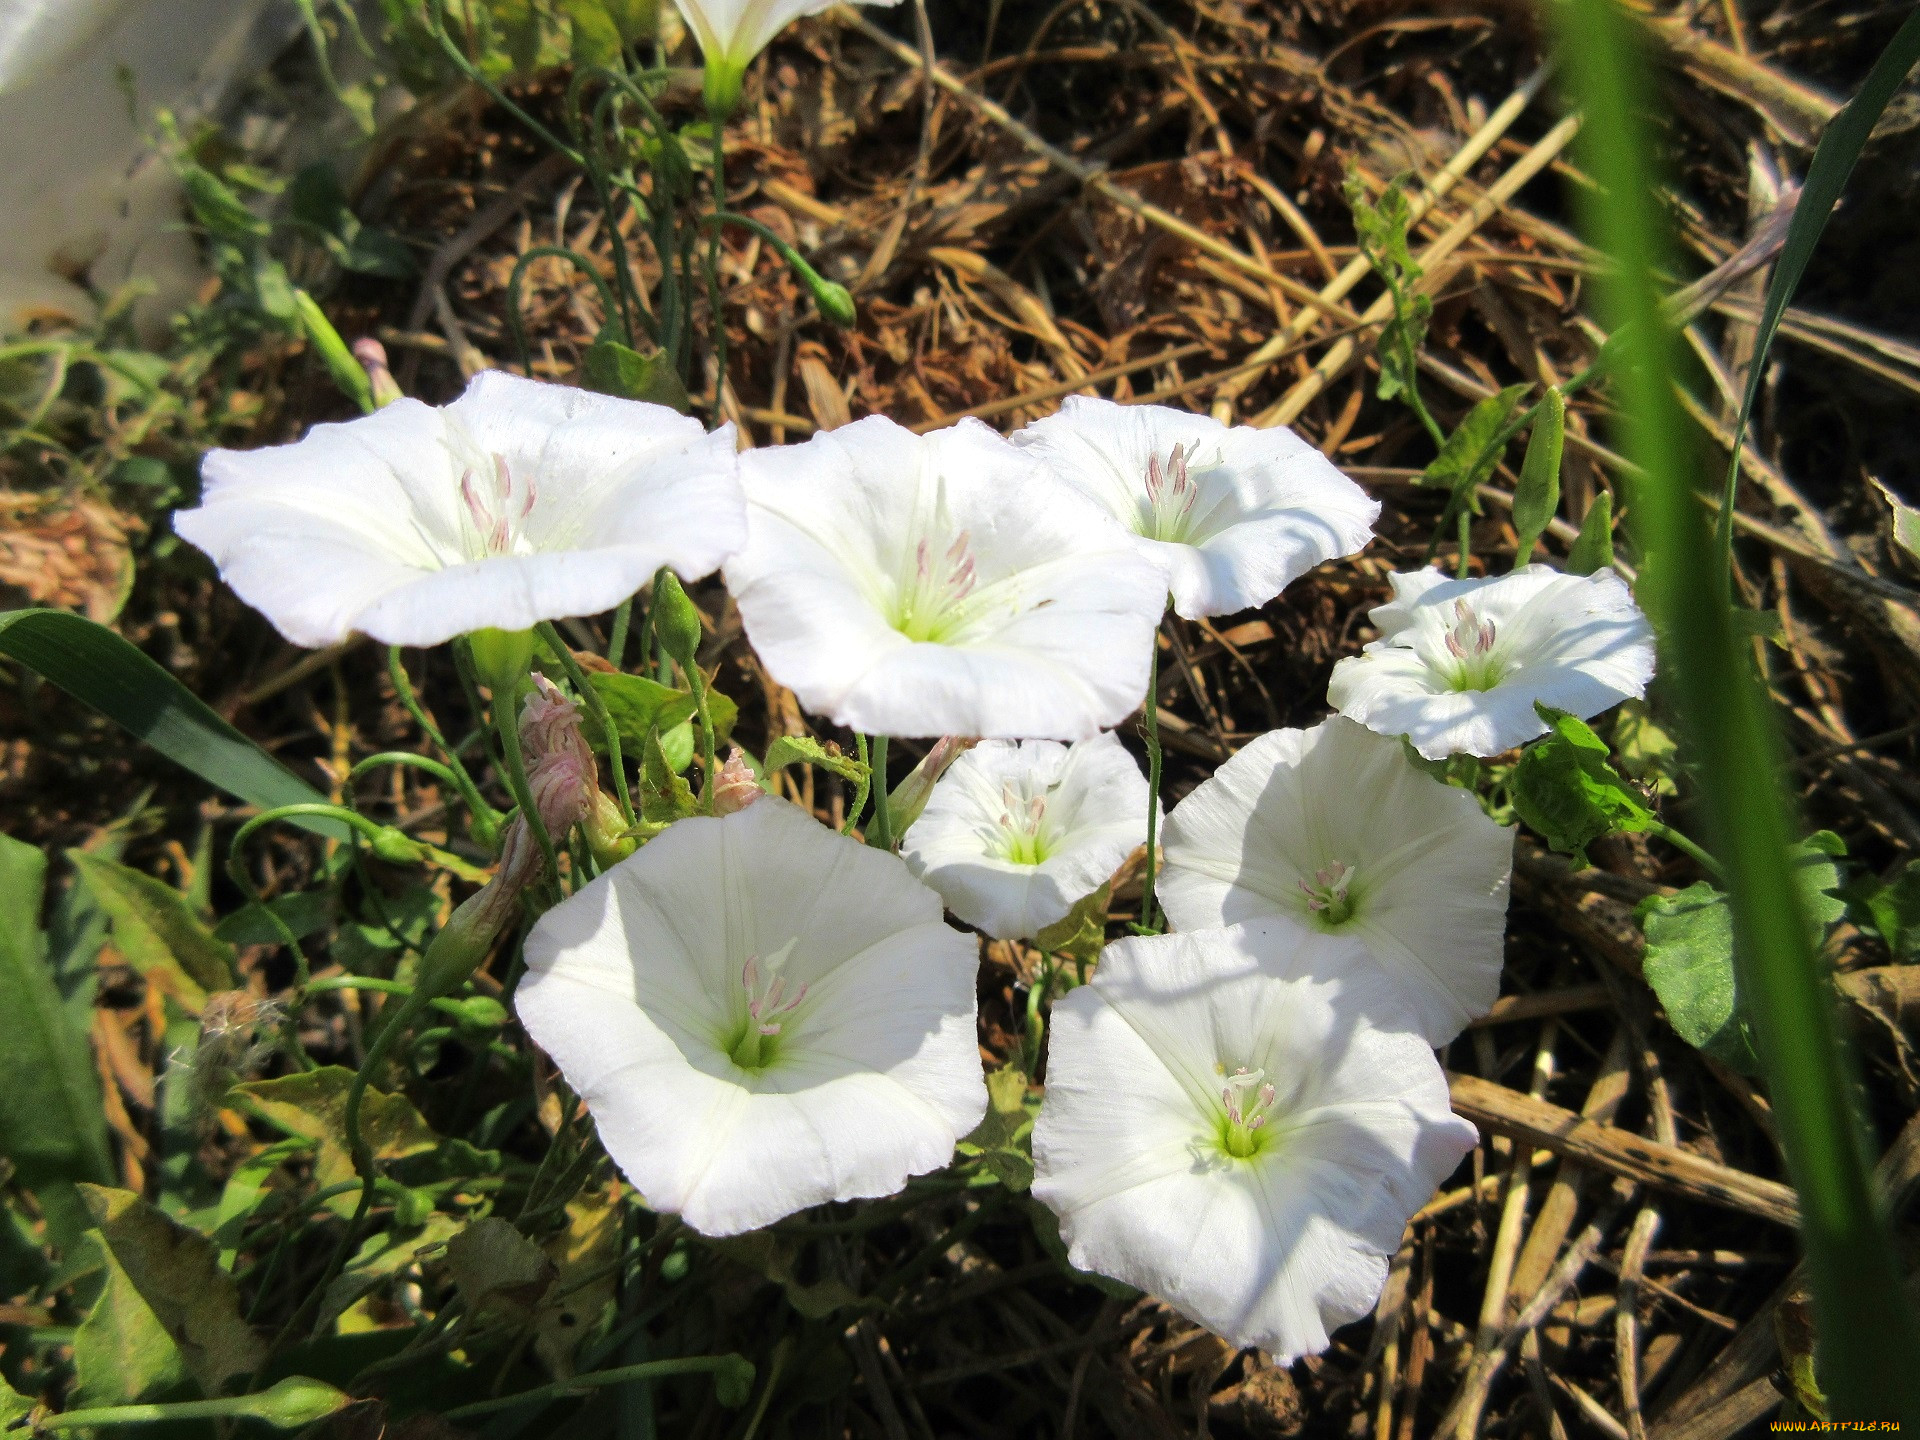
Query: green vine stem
x=862, y=787
x=736, y=1367
x=486, y=821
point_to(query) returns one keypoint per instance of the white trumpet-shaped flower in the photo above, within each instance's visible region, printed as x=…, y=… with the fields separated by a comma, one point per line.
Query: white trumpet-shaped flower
x=762, y=1015
x=517, y=503
x=732, y=32
x=1460, y=663
x=1014, y=835
x=1234, y=1123
x=1236, y=515
x=1334, y=830
x=941, y=584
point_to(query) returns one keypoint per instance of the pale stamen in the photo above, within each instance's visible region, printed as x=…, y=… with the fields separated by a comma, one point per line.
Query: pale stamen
x=1247, y=1098
x=767, y=999
x=495, y=518
x=938, y=587
x=1171, y=492
x=1470, y=637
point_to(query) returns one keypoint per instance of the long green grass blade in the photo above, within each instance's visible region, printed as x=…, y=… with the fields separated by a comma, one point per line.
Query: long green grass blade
x=1833, y=161
x=94, y=665
x=1869, y=1358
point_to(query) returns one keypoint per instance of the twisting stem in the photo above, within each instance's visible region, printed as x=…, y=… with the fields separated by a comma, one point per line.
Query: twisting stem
x=483, y=814
x=617, y=640
x=716, y=316
x=597, y=708
x=1150, y=727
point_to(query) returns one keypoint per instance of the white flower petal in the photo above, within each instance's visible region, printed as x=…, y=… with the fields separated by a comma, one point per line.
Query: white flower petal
x=1264, y=506
x=732, y=32
x=1461, y=663
x=1278, y=1248
x=363, y=525
x=635, y=986
x=968, y=842
x=940, y=585
x=1428, y=871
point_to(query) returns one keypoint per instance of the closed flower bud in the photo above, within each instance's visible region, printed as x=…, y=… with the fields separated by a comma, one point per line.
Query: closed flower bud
x=372, y=356
x=501, y=657
x=909, y=797
x=296, y=1401
x=607, y=837
x=735, y=787
x=463, y=942
x=396, y=847
x=675, y=620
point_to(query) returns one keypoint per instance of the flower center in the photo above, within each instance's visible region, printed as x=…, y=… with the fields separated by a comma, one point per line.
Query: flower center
x=928, y=603
x=1022, y=822
x=1329, y=896
x=767, y=1005
x=1247, y=1098
x=495, y=512
x=1170, y=496
x=1470, y=642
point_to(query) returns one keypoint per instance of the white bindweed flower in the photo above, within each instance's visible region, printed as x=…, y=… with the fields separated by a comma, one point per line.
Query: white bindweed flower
x=1234, y=1124
x=1014, y=835
x=941, y=584
x=1335, y=830
x=517, y=503
x=1460, y=663
x=732, y=32
x=762, y=1015
x=1236, y=515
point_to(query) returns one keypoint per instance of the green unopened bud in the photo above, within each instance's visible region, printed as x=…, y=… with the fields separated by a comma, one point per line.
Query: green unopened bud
x=675, y=620
x=296, y=1401
x=834, y=301
x=606, y=827
x=503, y=658
x=332, y=350
x=396, y=847
x=476, y=1012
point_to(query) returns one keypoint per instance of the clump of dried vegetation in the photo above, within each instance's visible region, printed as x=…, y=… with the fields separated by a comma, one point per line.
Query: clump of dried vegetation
x=1137, y=200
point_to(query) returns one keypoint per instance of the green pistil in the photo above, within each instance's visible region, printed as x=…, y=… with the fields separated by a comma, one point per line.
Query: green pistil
x=1025, y=849
x=753, y=1051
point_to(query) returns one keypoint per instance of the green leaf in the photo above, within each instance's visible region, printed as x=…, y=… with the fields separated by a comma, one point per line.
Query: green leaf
x=177, y=1272
x=1689, y=964
x=636, y=705
x=1382, y=232
x=1082, y=933
x=303, y=913
x=121, y=1352
x=1474, y=448
x=1645, y=750
x=615, y=369
x=1537, y=498
x=805, y=750
x=156, y=932
x=1904, y=521
x=1890, y=909
x=1401, y=337
x=776, y=1257
x=313, y=1106
x=1690, y=961
x=1839, y=150
x=52, y=1127
x=1594, y=549
x=664, y=796
x=1566, y=791
x=1003, y=1139
x=96, y=666
x=14, y=1407
x=498, y=1270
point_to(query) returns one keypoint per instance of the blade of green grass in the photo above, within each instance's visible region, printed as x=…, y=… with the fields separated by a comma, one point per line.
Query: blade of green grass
x=94, y=665
x=1833, y=161
x=1869, y=1360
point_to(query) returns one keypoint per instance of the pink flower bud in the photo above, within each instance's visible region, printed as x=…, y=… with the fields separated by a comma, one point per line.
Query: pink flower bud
x=734, y=788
